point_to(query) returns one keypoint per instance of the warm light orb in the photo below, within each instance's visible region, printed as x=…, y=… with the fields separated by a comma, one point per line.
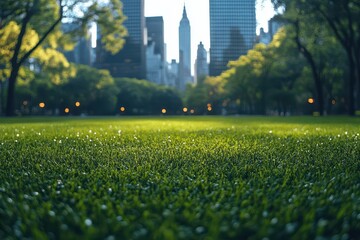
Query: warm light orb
x=192, y=111
x=311, y=100
x=77, y=104
x=209, y=109
x=42, y=105
x=122, y=109
x=185, y=110
x=163, y=110
x=209, y=105
x=66, y=110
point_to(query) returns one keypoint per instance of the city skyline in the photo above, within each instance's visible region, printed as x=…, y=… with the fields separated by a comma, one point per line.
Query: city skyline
x=198, y=14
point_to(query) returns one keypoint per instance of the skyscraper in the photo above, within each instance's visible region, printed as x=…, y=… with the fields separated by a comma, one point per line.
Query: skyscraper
x=82, y=52
x=232, y=31
x=155, y=53
x=155, y=31
x=201, y=65
x=184, y=51
x=130, y=61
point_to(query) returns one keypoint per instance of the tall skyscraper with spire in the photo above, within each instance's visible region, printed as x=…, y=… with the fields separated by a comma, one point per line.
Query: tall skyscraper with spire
x=184, y=52
x=232, y=31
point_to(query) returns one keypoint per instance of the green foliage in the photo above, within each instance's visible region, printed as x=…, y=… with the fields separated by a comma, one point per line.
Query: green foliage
x=112, y=34
x=94, y=89
x=38, y=34
x=339, y=19
x=49, y=59
x=144, y=97
x=98, y=94
x=180, y=178
x=276, y=79
x=262, y=81
x=208, y=92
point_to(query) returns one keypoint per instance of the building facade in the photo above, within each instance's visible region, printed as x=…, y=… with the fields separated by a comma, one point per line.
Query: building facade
x=232, y=31
x=155, y=33
x=82, y=52
x=131, y=60
x=154, y=65
x=264, y=37
x=201, y=65
x=155, y=52
x=275, y=23
x=184, y=52
x=172, y=73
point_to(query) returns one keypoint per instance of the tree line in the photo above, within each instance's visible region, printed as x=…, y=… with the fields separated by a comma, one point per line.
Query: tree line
x=92, y=91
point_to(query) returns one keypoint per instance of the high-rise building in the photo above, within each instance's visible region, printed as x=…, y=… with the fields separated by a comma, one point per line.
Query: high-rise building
x=155, y=53
x=264, y=37
x=184, y=52
x=232, y=31
x=130, y=61
x=155, y=31
x=82, y=52
x=154, y=65
x=201, y=65
x=173, y=73
x=275, y=23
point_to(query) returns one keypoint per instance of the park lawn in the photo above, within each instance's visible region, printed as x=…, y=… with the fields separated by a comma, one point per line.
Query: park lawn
x=180, y=178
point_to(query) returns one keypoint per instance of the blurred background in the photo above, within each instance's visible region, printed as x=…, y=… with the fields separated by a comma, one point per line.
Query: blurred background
x=157, y=57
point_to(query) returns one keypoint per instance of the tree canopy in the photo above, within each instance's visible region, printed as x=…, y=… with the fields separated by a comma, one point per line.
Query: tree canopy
x=342, y=18
x=32, y=29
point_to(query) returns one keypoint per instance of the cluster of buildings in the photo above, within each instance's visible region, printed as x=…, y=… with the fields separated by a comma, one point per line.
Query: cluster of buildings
x=232, y=34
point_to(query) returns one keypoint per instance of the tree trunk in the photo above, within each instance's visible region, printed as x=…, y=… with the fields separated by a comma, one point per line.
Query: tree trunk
x=357, y=81
x=10, y=103
x=17, y=62
x=351, y=89
x=317, y=79
x=1, y=97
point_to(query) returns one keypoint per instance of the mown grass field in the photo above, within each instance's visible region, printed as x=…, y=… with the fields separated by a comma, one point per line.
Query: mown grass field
x=180, y=178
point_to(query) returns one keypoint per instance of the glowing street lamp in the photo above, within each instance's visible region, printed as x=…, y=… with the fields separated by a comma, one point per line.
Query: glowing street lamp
x=42, y=105
x=192, y=111
x=185, y=110
x=122, y=109
x=163, y=110
x=66, y=110
x=311, y=101
x=77, y=104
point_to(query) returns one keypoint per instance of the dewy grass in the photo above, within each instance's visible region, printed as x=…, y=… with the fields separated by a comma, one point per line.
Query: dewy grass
x=180, y=178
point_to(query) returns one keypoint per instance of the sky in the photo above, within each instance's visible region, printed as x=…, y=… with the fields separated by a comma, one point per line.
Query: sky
x=198, y=14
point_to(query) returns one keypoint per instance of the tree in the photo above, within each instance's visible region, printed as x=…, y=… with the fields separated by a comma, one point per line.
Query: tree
x=95, y=90
x=262, y=81
x=141, y=97
x=343, y=18
x=44, y=18
x=248, y=82
x=285, y=72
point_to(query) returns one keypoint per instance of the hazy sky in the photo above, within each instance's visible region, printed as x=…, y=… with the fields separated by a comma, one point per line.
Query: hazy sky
x=198, y=14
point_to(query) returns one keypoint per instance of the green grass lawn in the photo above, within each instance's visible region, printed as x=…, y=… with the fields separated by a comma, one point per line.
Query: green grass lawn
x=180, y=178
